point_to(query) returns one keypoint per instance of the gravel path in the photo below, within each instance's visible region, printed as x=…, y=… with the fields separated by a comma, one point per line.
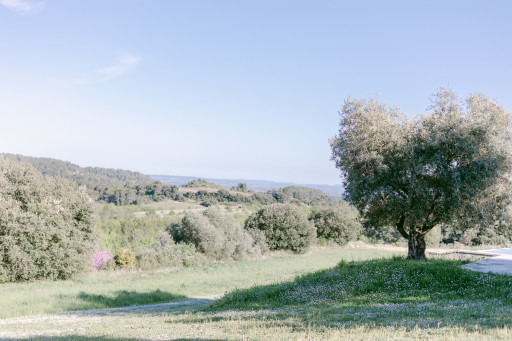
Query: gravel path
x=175, y=306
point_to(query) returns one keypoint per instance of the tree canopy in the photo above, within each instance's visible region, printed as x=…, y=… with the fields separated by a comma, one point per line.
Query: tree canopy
x=449, y=165
x=46, y=225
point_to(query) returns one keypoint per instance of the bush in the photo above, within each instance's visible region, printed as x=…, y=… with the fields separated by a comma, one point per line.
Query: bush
x=478, y=235
x=217, y=235
x=259, y=240
x=165, y=253
x=198, y=231
x=103, y=260
x=125, y=258
x=338, y=225
x=46, y=226
x=284, y=226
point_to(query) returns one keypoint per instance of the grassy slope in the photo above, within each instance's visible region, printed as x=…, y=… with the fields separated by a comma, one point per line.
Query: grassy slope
x=385, y=292
x=111, y=289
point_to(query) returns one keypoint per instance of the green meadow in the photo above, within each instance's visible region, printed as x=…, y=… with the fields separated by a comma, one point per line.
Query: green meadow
x=327, y=294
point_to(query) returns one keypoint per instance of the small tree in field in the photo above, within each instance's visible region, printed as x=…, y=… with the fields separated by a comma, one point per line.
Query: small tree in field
x=449, y=166
x=284, y=226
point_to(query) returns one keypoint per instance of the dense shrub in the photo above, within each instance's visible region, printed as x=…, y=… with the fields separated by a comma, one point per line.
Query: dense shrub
x=478, y=235
x=259, y=240
x=338, y=225
x=46, y=225
x=217, y=235
x=284, y=226
x=198, y=231
x=125, y=258
x=165, y=253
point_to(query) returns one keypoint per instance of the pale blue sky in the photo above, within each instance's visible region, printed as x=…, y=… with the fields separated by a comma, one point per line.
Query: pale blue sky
x=231, y=89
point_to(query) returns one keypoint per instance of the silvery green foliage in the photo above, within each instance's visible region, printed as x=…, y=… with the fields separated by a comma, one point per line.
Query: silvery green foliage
x=449, y=165
x=284, y=226
x=46, y=225
x=218, y=235
x=166, y=253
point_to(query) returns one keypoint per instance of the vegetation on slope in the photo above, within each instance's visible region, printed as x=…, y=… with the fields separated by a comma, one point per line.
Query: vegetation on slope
x=385, y=292
x=201, y=183
x=80, y=175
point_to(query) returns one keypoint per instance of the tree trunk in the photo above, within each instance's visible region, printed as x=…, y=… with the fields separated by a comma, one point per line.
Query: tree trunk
x=417, y=245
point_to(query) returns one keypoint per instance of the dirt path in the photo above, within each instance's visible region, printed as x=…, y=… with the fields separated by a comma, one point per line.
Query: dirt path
x=175, y=306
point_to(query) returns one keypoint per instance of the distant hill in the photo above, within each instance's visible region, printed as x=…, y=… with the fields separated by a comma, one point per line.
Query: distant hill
x=124, y=187
x=334, y=191
x=117, y=186
x=80, y=175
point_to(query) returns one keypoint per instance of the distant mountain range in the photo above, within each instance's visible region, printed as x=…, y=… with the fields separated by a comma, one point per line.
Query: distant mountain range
x=335, y=191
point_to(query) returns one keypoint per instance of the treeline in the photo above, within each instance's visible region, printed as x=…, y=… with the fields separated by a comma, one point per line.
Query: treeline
x=117, y=186
x=241, y=195
x=88, y=176
x=305, y=195
x=131, y=194
x=122, y=187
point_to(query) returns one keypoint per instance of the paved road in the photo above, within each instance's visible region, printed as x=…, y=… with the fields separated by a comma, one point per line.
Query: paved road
x=501, y=264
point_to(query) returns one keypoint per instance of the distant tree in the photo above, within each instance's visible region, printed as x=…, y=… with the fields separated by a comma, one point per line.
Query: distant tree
x=284, y=226
x=300, y=194
x=241, y=187
x=46, y=225
x=201, y=183
x=451, y=165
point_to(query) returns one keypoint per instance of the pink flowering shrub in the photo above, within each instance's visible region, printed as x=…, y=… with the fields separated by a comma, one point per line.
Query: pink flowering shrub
x=103, y=259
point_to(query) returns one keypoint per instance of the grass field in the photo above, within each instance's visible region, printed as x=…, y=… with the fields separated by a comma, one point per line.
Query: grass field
x=121, y=288
x=358, y=299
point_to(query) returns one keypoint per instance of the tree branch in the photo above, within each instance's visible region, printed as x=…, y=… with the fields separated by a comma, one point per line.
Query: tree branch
x=400, y=227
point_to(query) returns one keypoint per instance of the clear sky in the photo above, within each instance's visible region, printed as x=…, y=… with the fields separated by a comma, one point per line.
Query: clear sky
x=231, y=89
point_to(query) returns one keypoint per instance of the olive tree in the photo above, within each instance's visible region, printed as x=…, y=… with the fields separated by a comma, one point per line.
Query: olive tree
x=450, y=165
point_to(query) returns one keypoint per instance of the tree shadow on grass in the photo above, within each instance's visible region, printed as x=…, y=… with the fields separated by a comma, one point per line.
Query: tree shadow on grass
x=122, y=298
x=136, y=303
